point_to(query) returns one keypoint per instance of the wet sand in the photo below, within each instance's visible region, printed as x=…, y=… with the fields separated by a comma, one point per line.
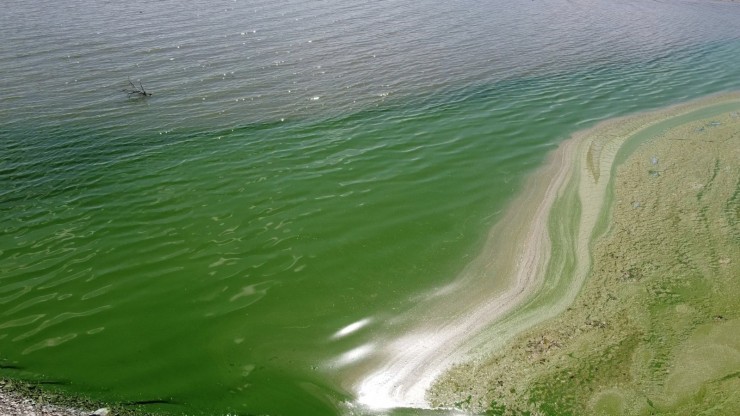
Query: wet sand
x=637, y=312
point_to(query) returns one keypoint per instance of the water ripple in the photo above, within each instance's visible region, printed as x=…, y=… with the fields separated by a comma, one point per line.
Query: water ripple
x=231, y=204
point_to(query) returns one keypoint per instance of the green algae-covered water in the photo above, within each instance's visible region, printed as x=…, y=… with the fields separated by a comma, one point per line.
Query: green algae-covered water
x=302, y=172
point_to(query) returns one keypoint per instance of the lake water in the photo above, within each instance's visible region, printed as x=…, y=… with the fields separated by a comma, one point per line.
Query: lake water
x=301, y=172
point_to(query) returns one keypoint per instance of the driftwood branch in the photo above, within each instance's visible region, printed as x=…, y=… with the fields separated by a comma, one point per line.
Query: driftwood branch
x=135, y=91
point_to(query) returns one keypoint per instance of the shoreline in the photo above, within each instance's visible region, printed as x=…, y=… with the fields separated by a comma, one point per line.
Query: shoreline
x=544, y=267
x=602, y=152
x=22, y=398
x=406, y=366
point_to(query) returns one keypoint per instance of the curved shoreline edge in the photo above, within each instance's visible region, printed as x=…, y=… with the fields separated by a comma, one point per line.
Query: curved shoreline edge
x=533, y=265
x=620, y=293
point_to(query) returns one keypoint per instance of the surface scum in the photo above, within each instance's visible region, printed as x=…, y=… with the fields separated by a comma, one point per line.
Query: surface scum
x=655, y=327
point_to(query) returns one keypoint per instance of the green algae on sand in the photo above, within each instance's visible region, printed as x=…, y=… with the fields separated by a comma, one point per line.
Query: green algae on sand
x=655, y=328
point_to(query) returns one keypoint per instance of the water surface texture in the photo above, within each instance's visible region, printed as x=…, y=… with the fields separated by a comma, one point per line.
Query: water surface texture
x=303, y=170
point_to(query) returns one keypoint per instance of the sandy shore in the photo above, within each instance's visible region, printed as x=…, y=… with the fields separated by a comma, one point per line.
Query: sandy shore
x=532, y=267
x=639, y=297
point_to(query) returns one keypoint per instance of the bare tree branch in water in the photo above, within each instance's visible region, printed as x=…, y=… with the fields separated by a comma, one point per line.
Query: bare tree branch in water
x=135, y=91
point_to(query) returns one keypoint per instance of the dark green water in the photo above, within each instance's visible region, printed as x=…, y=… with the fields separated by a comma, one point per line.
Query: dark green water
x=205, y=246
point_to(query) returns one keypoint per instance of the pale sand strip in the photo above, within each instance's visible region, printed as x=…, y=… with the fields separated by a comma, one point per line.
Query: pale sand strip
x=511, y=285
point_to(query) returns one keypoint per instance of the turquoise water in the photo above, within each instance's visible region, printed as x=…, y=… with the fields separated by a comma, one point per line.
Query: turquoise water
x=299, y=168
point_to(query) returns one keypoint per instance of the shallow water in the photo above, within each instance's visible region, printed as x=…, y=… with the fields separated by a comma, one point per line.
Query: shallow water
x=300, y=167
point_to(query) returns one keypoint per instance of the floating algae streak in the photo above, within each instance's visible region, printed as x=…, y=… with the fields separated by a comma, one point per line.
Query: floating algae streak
x=543, y=257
